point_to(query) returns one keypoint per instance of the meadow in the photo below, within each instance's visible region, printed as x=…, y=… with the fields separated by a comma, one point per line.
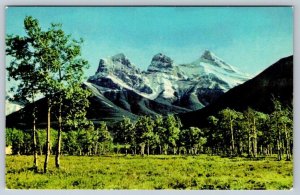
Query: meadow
x=151, y=172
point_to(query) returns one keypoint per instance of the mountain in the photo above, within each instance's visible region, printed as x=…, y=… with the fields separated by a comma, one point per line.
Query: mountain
x=101, y=109
x=11, y=106
x=225, y=75
x=120, y=89
x=130, y=102
x=257, y=93
x=184, y=87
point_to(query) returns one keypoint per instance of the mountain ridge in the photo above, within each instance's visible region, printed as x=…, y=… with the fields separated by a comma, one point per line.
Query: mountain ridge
x=167, y=82
x=275, y=81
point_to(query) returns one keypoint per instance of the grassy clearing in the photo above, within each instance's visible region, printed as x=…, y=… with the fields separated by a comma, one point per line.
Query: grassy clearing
x=153, y=172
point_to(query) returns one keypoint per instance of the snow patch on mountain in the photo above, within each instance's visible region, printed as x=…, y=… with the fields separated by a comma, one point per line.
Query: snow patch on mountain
x=161, y=83
x=11, y=106
x=210, y=64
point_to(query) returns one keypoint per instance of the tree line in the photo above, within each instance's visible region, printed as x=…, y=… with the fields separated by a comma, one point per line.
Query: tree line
x=79, y=142
x=229, y=133
x=251, y=132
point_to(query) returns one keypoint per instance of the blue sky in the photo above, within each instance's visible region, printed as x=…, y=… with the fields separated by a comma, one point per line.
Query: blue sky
x=250, y=38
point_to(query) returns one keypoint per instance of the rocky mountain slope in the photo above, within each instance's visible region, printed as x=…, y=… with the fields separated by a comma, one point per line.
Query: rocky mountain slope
x=187, y=86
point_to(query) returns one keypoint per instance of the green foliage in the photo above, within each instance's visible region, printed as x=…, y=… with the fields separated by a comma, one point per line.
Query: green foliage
x=159, y=132
x=254, y=133
x=227, y=120
x=21, y=141
x=41, y=141
x=75, y=106
x=49, y=62
x=71, y=145
x=125, y=133
x=144, y=132
x=282, y=125
x=251, y=132
x=153, y=172
x=192, y=139
x=8, y=136
x=16, y=139
x=172, y=127
x=105, y=139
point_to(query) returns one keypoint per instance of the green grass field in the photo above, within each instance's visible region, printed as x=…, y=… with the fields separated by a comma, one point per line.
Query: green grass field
x=153, y=172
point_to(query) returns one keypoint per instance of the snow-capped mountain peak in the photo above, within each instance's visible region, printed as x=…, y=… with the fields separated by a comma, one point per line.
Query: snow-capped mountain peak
x=190, y=86
x=211, y=65
x=122, y=59
x=10, y=105
x=115, y=63
x=160, y=63
x=212, y=59
x=208, y=55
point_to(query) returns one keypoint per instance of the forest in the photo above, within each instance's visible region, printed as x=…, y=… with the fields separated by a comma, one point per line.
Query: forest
x=230, y=133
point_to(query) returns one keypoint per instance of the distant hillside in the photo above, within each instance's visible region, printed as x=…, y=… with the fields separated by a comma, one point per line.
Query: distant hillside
x=101, y=109
x=276, y=81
